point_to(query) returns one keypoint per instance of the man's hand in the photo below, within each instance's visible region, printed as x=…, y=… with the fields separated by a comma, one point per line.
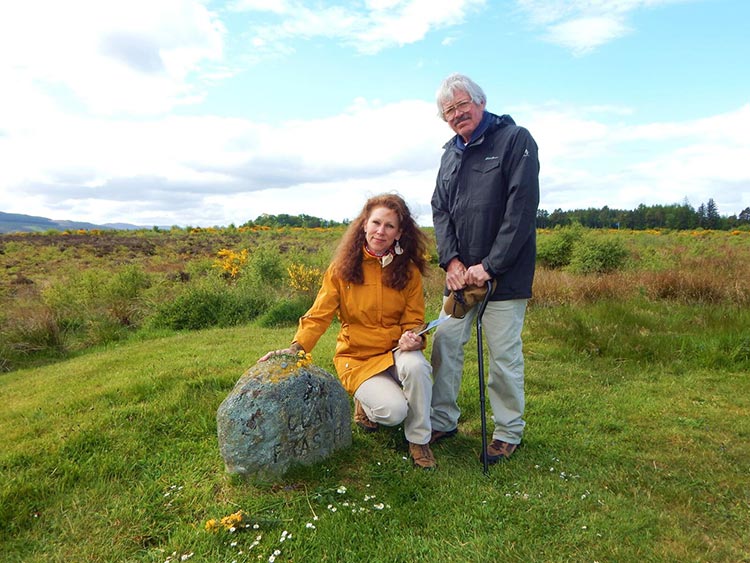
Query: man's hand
x=455, y=275
x=476, y=275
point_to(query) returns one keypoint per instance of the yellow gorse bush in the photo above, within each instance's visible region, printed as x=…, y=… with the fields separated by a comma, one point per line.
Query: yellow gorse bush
x=304, y=278
x=231, y=262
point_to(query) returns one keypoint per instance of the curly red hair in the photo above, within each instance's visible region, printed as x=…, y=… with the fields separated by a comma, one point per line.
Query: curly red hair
x=347, y=262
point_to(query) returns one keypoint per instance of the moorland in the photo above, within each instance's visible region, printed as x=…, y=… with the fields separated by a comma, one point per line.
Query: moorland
x=116, y=348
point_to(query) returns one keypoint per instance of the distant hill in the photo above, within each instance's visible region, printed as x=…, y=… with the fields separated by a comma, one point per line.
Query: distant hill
x=18, y=223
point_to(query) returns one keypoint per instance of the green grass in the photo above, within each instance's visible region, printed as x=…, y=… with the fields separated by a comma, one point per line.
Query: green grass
x=635, y=450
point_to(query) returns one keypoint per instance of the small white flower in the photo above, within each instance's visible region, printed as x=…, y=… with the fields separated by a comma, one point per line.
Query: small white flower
x=256, y=526
x=341, y=490
x=232, y=529
x=233, y=544
x=379, y=506
x=310, y=526
x=186, y=556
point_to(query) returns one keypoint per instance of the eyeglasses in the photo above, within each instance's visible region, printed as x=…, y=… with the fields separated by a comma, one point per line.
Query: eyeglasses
x=450, y=112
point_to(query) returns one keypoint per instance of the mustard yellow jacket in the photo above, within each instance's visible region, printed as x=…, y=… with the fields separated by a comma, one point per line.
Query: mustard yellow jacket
x=373, y=316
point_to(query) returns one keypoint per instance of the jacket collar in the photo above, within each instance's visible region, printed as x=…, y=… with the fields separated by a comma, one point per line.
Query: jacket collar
x=490, y=122
x=384, y=260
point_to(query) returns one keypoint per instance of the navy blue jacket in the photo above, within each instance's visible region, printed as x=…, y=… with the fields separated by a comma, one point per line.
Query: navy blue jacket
x=485, y=203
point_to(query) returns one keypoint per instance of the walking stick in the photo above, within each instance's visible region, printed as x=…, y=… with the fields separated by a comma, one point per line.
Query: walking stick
x=480, y=358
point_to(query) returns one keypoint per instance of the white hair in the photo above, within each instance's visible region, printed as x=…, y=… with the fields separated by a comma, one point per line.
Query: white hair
x=454, y=82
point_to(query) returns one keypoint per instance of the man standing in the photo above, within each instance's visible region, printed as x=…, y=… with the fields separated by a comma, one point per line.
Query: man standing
x=484, y=212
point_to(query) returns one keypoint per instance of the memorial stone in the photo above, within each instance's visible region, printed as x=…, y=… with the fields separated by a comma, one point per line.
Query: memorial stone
x=282, y=412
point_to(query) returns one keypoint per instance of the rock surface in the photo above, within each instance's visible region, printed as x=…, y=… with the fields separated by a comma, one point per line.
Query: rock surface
x=282, y=412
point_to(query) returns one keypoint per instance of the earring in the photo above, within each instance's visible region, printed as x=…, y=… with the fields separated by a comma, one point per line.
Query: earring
x=397, y=249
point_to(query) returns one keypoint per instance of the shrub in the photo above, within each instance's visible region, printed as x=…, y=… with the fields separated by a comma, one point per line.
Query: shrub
x=121, y=296
x=195, y=309
x=242, y=307
x=555, y=250
x=593, y=255
x=285, y=313
x=265, y=267
x=34, y=334
x=207, y=306
x=231, y=263
x=304, y=279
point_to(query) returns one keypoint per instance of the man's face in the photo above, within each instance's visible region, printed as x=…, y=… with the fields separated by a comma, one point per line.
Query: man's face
x=462, y=117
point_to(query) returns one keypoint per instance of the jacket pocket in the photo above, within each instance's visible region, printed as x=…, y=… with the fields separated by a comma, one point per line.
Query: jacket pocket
x=485, y=166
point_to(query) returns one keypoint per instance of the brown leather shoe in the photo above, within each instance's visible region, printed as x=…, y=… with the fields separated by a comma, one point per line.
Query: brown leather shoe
x=422, y=456
x=438, y=435
x=360, y=418
x=499, y=451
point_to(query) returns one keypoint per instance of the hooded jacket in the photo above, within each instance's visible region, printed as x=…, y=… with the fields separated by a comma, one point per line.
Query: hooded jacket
x=485, y=203
x=373, y=317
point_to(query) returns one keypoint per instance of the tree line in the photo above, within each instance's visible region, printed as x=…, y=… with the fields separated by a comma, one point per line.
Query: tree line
x=681, y=216
x=286, y=220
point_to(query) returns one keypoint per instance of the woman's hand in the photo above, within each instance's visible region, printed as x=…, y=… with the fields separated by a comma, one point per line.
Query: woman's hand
x=410, y=341
x=272, y=353
x=294, y=349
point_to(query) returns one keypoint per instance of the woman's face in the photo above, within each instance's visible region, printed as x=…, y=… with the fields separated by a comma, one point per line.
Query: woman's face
x=381, y=229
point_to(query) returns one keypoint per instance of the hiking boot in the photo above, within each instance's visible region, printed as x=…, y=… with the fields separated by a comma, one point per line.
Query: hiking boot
x=360, y=418
x=438, y=435
x=499, y=451
x=422, y=456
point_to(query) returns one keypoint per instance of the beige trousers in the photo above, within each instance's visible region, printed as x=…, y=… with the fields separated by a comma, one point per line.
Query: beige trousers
x=402, y=393
x=502, y=323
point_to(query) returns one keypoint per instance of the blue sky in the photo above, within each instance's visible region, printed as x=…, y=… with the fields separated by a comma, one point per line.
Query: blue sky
x=199, y=112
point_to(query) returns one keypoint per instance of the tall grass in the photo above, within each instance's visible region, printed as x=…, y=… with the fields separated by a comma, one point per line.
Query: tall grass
x=64, y=293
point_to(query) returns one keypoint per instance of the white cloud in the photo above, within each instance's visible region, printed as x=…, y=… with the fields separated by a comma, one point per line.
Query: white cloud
x=583, y=25
x=168, y=170
x=583, y=35
x=134, y=57
x=213, y=171
x=378, y=25
x=589, y=162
